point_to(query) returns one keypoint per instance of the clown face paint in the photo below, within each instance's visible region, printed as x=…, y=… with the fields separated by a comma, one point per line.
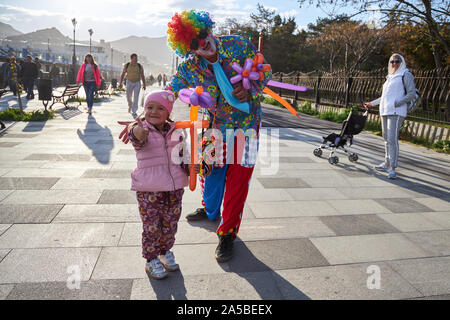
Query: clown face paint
x=207, y=48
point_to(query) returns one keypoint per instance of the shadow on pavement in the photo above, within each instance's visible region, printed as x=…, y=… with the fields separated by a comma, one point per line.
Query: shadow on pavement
x=101, y=149
x=171, y=288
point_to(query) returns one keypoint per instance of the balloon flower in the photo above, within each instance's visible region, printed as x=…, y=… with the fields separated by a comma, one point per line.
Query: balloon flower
x=196, y=98
x=244, y=74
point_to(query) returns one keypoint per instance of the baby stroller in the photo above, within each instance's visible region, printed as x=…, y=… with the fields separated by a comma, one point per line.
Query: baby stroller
x=353, y=125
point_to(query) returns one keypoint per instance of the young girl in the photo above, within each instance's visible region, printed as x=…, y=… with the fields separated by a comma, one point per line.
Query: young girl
x=159, y=181
x=89, y=75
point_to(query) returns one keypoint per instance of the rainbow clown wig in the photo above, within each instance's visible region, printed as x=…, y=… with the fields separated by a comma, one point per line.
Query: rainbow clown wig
x=185, y=27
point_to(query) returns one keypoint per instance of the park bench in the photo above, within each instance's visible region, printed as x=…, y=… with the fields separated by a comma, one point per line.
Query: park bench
x=71, y=91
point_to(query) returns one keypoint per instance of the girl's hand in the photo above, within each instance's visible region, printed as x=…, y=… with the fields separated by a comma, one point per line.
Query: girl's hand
x=124, y=134
x=367, y=105
x=140, y=132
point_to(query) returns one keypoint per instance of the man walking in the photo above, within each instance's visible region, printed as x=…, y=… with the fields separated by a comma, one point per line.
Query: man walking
x=29, y=75
x=134, y=73
x=38, y=66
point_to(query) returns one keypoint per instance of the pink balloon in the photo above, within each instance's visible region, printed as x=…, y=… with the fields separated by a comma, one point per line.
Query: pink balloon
x=253, y=76
x=246, y=83
x=248, y=64
x=237, y=67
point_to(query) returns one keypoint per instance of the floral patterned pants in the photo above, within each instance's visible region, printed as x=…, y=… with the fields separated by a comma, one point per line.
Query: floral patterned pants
x=160, y=213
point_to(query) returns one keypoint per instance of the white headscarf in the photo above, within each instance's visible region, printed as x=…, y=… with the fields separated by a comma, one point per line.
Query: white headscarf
x=402, y=67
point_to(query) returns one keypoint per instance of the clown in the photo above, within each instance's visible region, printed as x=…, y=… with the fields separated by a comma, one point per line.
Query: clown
x=235, y=117
x=209, y=64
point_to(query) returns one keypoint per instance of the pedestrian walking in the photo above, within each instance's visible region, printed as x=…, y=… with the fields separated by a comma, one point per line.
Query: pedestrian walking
x=38, y=66
x=89, y=76
x=134, y=73
x=398, y=91
x=159, y=79
x=29, y=74
x=159, y=183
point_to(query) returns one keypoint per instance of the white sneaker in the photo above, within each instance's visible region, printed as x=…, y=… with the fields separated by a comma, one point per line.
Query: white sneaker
x=155, y=269
x=391, y=174
x=168, y=261
x=382, y=167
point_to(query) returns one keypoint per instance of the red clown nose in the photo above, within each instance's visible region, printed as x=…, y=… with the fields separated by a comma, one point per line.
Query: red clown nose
x=201, y=43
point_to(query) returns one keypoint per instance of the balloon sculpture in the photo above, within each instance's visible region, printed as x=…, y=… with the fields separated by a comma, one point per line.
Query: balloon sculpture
x=196, y=98
x=254, y=70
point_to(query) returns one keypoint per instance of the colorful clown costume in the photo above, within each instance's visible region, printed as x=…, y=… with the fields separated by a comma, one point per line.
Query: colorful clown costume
x=230, y=178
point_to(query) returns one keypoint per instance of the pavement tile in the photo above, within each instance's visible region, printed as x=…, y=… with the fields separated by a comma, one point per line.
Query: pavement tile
x=430, y=276
x=408, y=222
x=283, y=183
x=45, y=173
x=257, y=256
x=358, y=225
x=4, y=227
x=316, y=194
x=88, y=290
x=61, y=235
x=47, y=265
x=5, y=193
x=296, y=160
x=435, y=203
x=436, y=242
x=403, y=205
x=367, y=248
x=118, y=197
x=347, y=282
x=288, y=209
x=3, y=253
x=356, y=206
x=107, y=213
x=376, y=193
x=5, y=289
x=276, y=195
x=20, y=213
x=9, y=144
x=439, y=297
x=440, y=218
x=92, y=184
x=53, y=197
x=18, y=135
x=107, y=173
x=229, y=286
x=27, y=183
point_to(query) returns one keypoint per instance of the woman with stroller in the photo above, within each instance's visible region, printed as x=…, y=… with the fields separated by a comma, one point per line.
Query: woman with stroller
x=398, y=91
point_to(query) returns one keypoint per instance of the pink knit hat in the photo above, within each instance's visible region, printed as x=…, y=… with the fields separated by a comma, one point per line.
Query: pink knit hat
x=164, y=98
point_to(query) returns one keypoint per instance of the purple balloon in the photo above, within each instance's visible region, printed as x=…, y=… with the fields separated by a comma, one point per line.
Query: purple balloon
x=237, y=67
x=185, y=95
x=246, y=83
x=253, y=76
x=248, y=64
x=259, y=67
x=194, y=98
x=236, y=78
x=286, y=86
x=205, y=100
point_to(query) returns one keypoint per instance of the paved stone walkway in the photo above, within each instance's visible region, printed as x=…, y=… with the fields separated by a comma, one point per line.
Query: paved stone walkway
x=310, y=230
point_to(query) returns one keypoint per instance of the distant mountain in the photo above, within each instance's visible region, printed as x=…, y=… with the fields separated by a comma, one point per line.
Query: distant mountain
x=43, y=35
x=155, y=49
x=7, y=30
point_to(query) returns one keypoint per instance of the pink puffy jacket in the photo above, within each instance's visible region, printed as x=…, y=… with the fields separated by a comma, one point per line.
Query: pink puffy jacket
x=155, y=169
x=97, y=77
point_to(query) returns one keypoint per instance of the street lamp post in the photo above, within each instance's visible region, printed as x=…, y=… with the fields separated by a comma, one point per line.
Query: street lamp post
x=74, y=57
x=90, y=39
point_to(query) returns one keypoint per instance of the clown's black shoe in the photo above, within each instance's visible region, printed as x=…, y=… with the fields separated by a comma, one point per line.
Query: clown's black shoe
x=197, y=215
x=224, y=251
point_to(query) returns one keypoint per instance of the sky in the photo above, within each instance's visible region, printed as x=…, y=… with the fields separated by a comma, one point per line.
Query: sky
x=115, y=19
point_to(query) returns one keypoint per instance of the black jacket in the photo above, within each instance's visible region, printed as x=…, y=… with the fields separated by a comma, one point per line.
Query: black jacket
x=29, y=69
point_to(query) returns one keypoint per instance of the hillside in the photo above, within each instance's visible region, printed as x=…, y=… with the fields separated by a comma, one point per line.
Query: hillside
x=7, y=30
x=155, y=49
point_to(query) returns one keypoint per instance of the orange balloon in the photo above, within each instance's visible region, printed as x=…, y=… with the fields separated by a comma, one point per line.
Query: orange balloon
x=281, y=100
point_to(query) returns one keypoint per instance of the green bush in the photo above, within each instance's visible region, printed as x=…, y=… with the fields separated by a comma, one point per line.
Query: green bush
x=442, y=146
x=78, y=99
x=272, y=101
x=11, y=114
x=306, y=109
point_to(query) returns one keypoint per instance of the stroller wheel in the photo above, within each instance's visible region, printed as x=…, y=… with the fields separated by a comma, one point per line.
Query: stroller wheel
x=333, y=160
x=353, y=157
x=318, y=152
